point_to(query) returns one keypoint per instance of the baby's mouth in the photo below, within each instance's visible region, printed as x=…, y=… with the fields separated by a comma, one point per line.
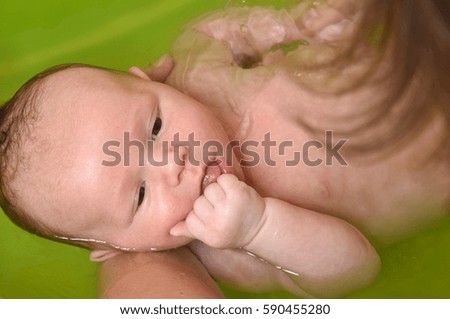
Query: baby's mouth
x=212, y=172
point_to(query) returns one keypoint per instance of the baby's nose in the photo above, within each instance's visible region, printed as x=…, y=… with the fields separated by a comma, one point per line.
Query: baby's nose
x=175, y=165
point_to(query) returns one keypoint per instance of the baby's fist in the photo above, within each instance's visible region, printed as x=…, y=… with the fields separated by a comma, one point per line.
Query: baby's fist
x=228, y=215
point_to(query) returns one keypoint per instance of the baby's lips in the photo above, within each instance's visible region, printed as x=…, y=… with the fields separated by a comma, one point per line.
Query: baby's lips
x=225, y=169
x=212, y=172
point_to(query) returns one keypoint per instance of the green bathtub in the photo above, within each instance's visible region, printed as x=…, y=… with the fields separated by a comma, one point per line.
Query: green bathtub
x=119, y=34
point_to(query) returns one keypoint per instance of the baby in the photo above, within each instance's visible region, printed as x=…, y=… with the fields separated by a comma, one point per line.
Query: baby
x=67, y=175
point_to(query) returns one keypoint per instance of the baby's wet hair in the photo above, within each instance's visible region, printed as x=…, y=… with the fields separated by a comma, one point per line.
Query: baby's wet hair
x=16, y=119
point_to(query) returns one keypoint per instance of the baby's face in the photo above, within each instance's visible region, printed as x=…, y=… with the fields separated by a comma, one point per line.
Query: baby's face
x=98, y=187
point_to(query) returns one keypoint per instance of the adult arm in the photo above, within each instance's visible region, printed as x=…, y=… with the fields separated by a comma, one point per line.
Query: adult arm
x=171, y=274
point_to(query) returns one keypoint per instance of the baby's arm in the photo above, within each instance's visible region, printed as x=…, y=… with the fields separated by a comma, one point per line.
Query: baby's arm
x=323, y=255
x=330, y=256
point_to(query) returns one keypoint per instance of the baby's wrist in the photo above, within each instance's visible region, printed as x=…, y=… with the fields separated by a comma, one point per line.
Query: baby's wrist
x=257, y=227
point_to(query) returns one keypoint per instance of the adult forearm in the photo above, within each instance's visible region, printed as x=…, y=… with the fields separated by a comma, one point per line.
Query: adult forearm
x=170, y=274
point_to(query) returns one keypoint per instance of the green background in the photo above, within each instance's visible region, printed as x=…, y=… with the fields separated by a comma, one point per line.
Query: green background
x=119, y=34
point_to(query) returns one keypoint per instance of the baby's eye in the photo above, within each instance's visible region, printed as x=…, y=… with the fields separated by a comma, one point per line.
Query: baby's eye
x=156, y=127
x=141, y=194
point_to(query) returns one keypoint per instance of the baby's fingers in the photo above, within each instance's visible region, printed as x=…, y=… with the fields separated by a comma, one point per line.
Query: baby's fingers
x=181, y=230
x=214, y=194
x=203, y=209
x=228, y=182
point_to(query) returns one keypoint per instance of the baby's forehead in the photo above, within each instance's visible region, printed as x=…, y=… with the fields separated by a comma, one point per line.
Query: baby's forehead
x=74, y=78
x=79, y=98
x=69, y=89
x=65, y=96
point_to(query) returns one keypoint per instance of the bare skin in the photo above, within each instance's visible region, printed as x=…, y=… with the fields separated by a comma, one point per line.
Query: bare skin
x=288, y=226
x=237, y=224
x=387, y=198
x=174, y=275
x=378, y=194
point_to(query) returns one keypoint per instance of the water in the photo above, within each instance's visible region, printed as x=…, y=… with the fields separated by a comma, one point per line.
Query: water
x=119, y=34
x=276, y=4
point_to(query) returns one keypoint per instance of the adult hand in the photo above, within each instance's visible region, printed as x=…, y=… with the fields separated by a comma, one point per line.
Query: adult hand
x=157, y=72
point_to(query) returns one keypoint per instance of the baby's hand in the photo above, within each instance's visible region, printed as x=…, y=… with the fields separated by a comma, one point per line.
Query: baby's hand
x=228, y=215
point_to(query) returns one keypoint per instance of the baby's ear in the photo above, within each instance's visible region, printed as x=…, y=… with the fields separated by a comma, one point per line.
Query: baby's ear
x=139, y=73
x=102, y=255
